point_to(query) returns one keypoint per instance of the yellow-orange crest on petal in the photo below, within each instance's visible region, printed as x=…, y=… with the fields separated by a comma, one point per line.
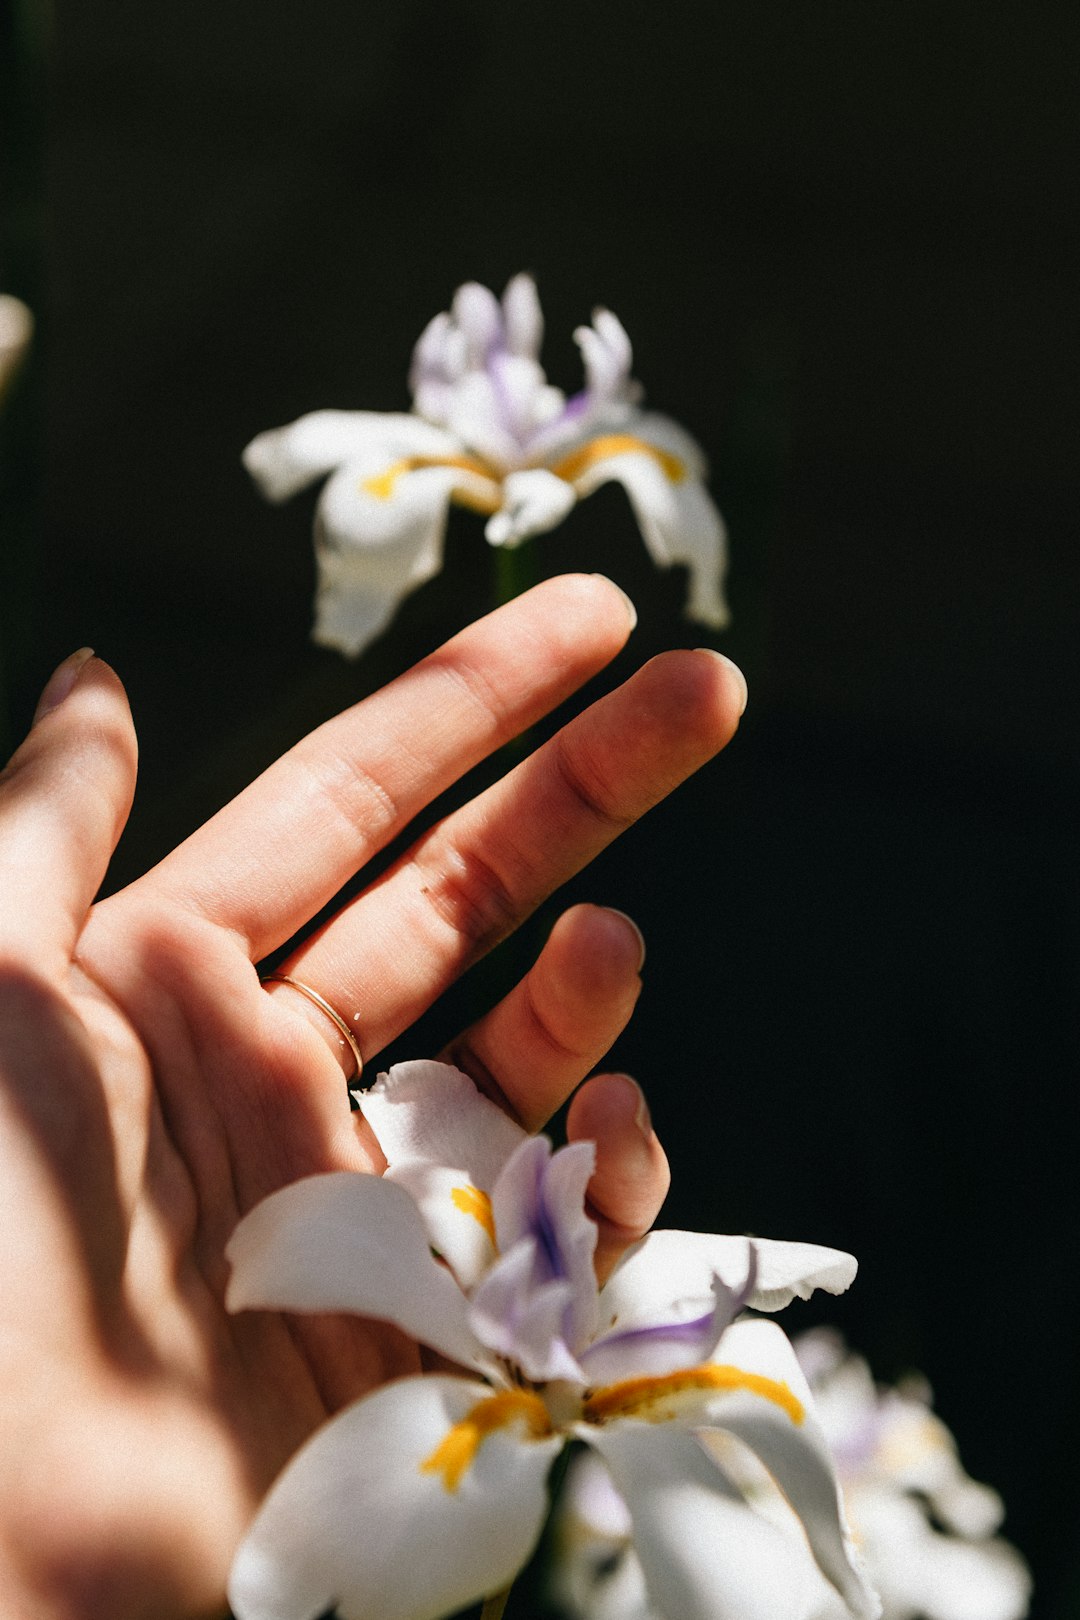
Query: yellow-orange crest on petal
x=577, y=463
x=472, y=1201
x=453, y=1455
x=653, y=1399
x=383, y=486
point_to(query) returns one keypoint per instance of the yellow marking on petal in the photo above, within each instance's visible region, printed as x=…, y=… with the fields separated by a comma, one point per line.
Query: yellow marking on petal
x=453, y=1455
x=384, y=485
x=471, y=1201
x=635, y=1396
x=572, y=467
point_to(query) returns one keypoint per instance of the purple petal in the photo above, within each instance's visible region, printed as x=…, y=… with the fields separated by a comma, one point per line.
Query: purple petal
x=521, y=1319
x=541, y=1195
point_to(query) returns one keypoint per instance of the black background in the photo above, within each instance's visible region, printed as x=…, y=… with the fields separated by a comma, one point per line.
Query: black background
x=842, y=238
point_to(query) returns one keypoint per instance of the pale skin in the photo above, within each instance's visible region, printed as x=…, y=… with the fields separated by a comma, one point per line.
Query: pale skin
x=152, y=1091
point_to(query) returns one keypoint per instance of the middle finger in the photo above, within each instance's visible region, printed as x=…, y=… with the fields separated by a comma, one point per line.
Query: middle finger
x=469, y=881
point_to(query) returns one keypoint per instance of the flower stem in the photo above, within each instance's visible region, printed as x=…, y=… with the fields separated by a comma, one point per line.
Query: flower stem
x=515, y=571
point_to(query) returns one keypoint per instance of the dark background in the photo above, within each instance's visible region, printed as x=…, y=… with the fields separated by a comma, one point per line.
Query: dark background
x=842, y=238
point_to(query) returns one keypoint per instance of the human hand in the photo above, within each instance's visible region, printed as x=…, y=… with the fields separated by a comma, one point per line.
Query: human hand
x=152, y=1091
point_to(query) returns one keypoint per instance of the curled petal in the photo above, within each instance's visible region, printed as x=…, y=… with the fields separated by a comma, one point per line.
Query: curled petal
x=679, y=523
x=378, y=535
x=607, y=358
x=668, y=1276
x=665, y=1347
x=284, y=460
x=433, y=1113
x=534, y=501
x=349, y=1242
x=795, y=1454
x=523, y=317
x=476, y=312
x=705, y=1554
x=393, y=1510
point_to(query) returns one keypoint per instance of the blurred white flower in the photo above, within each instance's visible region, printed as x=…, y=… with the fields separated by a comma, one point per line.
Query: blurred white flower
x=431, y=1492
x=487, y=431
x=16, y=330
x=900, y=1476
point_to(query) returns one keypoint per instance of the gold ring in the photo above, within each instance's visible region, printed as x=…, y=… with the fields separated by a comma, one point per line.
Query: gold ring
x=348, y=1037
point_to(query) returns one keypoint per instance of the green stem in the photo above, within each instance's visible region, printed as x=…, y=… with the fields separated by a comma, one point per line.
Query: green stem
x=515, y=571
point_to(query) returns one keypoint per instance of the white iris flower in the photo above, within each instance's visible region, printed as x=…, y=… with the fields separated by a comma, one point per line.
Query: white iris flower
x=899, y=1472
x=487, y=431
x=16, y=330
x=432, y=1492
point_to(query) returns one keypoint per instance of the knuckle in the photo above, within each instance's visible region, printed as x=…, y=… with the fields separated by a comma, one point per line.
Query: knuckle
x=586, y=786
x=467, y=894
x=470, y=680
x=355, y=795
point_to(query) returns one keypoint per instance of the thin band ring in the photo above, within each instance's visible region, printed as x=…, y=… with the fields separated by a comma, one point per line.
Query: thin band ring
x=348, y=1037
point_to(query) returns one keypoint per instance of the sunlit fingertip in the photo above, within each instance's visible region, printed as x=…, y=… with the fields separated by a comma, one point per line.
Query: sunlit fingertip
x=737, y=675
x=631, y=610
x=633, y=929
x=61, y=682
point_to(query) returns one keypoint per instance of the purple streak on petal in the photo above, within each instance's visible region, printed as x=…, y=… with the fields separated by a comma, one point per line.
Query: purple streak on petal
x=541, y=1195
x=670, y=1346
x=508, y=418
x=520, y=1319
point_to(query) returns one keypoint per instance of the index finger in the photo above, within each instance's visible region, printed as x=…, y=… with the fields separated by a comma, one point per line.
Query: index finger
x=266, y=863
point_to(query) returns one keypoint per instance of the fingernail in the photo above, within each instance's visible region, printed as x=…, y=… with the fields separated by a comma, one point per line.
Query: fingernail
x=642, y=1116
x=60, y=683
x=735, y=670
x=631, y=610
x=639, y=936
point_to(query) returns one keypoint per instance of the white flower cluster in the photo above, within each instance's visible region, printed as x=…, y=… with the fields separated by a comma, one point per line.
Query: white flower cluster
x=900, y=1477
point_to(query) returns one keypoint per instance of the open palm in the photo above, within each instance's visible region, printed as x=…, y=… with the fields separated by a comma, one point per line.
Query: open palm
x=152, y=1090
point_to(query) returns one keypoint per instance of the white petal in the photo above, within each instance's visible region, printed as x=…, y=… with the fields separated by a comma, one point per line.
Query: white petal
x=534, y=501
x=667, y=1347
x=476, y=311
x=16, y=330
x=477, y=415
x=670, y=436
x=668, y=1276
x=285, y=459
x=434, y=1113
x=523, y=317
x=915, y=1452
x=607, y=356
x=795, y=1454
x=595, y=1574
x=679, y=523
x=349, y=1242
x=456, y=1213
x=706, y=1555
x=614, y=334
x=358, y=1524
x=525, y=399
x=520, y=1317
x=373, y=548
x=920, y=1571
